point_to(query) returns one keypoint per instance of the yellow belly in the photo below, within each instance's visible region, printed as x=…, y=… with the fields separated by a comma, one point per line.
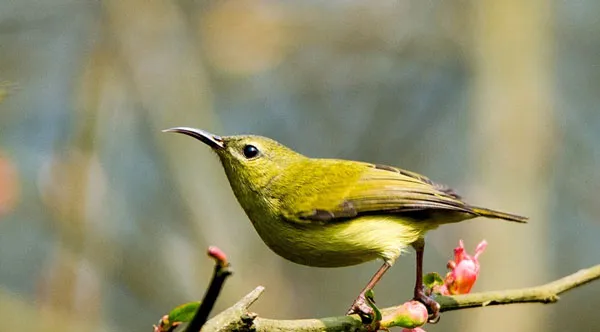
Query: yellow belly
x=343, y=243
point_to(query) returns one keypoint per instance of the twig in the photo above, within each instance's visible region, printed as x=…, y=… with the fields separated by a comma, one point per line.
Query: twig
x=547, y=293
x=236, y=319
x=221, y=272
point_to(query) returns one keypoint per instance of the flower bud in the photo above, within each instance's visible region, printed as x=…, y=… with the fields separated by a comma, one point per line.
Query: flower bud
x=218, y=255
x=464, y=270
x=410, y=315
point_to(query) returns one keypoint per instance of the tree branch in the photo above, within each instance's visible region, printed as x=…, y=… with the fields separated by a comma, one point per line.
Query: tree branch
x=238, y=318
x=220, y=274
x=547, y=293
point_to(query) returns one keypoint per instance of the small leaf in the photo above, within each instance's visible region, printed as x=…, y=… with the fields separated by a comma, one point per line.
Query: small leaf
x=433, y=279
x=180, y=314
x=370, y=296
x=184, y=313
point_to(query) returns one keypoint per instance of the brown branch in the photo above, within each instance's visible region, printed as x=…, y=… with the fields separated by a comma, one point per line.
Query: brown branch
x=238, y=318
x=221, y=272
x=547, y=293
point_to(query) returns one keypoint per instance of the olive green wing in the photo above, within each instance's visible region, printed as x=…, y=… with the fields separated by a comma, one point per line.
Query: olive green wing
x=376, y=189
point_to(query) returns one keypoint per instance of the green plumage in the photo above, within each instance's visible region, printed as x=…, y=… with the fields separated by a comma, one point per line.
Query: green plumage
x=328, y=212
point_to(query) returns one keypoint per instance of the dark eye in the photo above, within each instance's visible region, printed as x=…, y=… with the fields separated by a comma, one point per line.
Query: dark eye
x=250, y=151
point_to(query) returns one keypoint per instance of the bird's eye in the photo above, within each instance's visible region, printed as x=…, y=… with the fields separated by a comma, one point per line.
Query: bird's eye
x=250, y=151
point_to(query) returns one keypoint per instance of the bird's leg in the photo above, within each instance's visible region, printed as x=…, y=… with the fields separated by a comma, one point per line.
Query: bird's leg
x=432, y=306
x=360, y=305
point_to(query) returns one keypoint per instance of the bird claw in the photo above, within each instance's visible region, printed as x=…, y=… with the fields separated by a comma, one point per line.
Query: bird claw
x=362, y=308
x=433, y=308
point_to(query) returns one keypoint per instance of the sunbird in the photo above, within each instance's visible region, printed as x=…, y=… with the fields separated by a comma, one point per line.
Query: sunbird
x=333, y=212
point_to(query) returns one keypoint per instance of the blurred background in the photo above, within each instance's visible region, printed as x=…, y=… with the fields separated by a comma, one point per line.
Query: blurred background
x=104, y=220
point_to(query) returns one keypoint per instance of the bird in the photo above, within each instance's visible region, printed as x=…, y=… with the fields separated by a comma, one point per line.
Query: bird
x=334, y=212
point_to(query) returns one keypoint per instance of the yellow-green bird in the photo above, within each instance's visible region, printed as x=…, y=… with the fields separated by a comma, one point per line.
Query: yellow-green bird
x=331, y=212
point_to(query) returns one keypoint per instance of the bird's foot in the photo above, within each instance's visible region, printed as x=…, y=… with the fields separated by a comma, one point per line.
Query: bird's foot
x=362, y=308
x=433, y=308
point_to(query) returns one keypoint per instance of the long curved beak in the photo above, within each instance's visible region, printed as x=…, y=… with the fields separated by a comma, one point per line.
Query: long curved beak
x=214, y=141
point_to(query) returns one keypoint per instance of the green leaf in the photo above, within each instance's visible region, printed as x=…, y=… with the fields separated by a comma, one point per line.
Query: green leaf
x=183, y=313
x=370, y=296
x=433, y=279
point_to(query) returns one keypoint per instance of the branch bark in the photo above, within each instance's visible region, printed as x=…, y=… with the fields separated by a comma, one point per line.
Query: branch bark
x=238, y=318
x=220, y=274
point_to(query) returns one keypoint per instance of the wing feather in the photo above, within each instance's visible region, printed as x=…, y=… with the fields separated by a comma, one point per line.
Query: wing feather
x=376, y=189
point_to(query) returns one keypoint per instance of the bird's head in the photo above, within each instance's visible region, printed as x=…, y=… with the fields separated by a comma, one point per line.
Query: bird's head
x=249, y=161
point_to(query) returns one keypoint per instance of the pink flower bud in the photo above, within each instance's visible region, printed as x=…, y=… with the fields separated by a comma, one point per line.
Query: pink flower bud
x=464, y=270
x=418, y=329
x=218, y=255
x=411, y=314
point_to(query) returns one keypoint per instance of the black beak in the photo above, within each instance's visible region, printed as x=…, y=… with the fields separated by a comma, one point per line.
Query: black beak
x=214, y=141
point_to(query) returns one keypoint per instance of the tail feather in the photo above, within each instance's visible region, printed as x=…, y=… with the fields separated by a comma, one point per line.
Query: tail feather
x=483, y=212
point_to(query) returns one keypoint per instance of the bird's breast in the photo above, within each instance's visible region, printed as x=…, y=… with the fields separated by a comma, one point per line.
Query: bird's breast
x=338, y=244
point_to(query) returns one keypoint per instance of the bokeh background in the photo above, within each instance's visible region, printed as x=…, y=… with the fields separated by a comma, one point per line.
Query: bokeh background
x=104, y=220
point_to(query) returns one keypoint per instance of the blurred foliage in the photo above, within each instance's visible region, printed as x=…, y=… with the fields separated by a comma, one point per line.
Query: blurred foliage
x=104, y=220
